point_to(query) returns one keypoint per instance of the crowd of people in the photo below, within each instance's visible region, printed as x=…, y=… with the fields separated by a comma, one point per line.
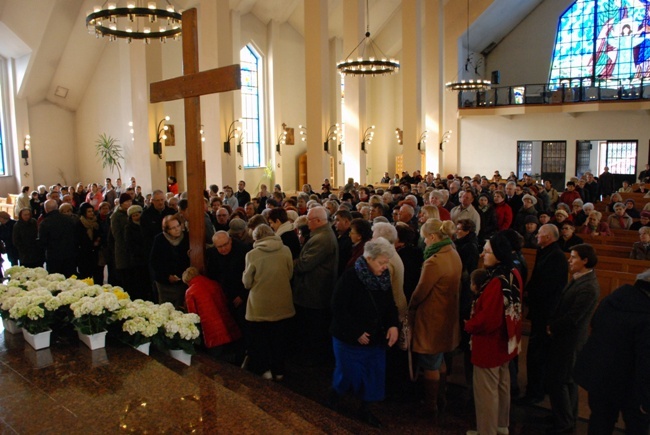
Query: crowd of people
x=335, y=276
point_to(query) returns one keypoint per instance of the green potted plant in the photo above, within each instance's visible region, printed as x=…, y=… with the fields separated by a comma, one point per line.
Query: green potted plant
x=109, y=152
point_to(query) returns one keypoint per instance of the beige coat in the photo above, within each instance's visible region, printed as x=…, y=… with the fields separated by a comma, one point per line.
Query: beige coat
x=435, y=302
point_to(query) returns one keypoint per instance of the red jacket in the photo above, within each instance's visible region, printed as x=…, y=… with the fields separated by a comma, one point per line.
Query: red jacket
x=488, y=328
x=206, y=298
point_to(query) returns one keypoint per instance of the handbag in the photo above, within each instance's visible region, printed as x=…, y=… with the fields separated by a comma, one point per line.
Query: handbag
x=404, y=339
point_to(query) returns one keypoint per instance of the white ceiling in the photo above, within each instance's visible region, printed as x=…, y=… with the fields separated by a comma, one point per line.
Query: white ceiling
x=51, y=41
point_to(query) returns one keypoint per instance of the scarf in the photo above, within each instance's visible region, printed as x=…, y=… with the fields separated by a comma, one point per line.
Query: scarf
x=90, y=225
x=435, y=247
x=510, y=287
x=174, y=242
x=371, y=281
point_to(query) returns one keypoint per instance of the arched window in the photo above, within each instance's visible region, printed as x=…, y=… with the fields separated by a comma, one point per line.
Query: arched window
x=602, y=40
x=251, y=98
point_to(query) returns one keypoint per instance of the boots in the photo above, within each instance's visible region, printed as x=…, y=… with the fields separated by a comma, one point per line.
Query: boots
x=367, y=416
x=431, y=389
x=442, y=392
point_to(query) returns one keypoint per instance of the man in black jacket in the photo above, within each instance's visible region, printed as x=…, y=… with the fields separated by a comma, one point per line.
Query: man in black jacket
x=57, y=236
x=614, y=363
x=546, y=283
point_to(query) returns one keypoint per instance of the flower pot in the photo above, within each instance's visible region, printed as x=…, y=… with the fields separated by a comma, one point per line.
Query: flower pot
x=38, y=341
x=144, y=348
x=181, y=355
x=11, y=326
x=93, y=341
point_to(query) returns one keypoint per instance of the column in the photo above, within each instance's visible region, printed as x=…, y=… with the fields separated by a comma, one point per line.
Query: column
x=354, y=110
x=275, y=112
x=317, y=89
x=433, y=86
x=411, y=71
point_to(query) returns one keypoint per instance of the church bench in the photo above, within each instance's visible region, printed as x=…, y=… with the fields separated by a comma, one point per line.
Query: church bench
x=6, y=206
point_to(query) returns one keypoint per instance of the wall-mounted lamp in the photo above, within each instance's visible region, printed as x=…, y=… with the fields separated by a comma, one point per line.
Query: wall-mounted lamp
x=341, y=140
x=367, y=138
x=201, y=132
x=445, y=138
x=422, y=140
x=332, y=134
x=303, y=133
x=282, y=139
x=241, y=140
x=399, y=135
x=24, y=153
x=160, y=134
x=232, y=133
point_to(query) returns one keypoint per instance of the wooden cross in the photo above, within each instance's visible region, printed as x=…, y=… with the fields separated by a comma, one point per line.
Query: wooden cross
x=190, y=86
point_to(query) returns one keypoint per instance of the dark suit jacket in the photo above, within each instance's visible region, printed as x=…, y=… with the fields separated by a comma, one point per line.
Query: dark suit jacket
x=548, y=279
x=569, y=323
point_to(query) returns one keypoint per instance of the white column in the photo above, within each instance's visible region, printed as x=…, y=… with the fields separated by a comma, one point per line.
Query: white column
x=275, y=108
x=317, y=89
x=411, y=72
x=433, y=86
x=210, y=110
x=354, y=110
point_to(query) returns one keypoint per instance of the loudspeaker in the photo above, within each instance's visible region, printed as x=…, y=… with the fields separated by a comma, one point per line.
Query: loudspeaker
x=24, y=154
x=496, y=77
x=157, y=148
x=226, y=147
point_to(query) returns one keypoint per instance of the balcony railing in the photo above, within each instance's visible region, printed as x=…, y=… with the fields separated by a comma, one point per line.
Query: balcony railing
x=567, y=92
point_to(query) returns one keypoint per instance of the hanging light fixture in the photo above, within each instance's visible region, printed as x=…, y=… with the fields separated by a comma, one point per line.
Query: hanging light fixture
x=373, y=65
x=469, y=85
x=135, y=19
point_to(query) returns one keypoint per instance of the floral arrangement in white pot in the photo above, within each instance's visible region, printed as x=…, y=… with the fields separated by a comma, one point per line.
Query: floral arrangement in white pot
x=140, y=322
x=93, y=314
x=179, y=330
x=34, y=310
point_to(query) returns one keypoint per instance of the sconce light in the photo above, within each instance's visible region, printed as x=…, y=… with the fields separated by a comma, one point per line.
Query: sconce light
x=445, y=138
x=160, y=134
x=232, y=133
x=282, y=139
x=367, y=138
x=241, y=139
x=303, y=133
x=399, y=135
x=24, y=153
x=422, y=140
x=332, y=133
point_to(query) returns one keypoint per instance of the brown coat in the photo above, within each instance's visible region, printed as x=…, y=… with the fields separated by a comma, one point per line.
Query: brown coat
x=435, y=302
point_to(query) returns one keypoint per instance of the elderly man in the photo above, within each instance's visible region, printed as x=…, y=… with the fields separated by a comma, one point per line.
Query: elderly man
x=465, y=210
x=57, y=236
x=119, y=221
x=152, y=217
x=513, y=199
x=315, y=274
x=225, y=263
x=406, y=214
x=222, y=219
x=437, y=198
x=544, y=288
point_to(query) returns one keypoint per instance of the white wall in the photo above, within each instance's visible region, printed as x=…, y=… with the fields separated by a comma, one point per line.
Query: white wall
x=100, y=112
x=489, y=143
x=524, y=55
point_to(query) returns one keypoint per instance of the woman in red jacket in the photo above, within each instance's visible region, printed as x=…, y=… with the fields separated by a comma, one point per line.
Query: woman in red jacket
x=206, y=298
x=495, y=328
x=503, y=210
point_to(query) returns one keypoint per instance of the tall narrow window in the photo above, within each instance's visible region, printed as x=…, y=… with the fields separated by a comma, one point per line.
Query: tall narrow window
x=251, y=107
x=583, y=157
x=3, y=86
x=524, y=158
x=621, y=156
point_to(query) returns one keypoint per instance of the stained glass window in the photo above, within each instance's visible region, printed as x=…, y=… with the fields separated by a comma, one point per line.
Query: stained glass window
x=607, y=41
x=251, y=107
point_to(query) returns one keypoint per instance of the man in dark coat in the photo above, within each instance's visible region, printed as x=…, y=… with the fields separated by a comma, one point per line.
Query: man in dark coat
x=57, y=236
x=242, y=195
x=606, y=183
x=614, y=363
x=152, y=217
x=568, y=329
x=548, y=279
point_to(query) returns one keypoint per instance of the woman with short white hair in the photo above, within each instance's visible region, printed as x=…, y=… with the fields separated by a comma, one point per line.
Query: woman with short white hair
x=364, y=323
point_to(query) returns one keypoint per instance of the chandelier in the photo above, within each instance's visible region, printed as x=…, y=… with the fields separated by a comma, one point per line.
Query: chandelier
x=473, y=84
x=373, y=65
x=135, y=19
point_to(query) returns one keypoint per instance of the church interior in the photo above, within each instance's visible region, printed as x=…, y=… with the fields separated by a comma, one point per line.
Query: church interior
x=62, y=87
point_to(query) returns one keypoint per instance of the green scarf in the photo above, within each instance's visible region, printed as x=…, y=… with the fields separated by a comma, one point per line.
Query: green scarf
x=435, y=247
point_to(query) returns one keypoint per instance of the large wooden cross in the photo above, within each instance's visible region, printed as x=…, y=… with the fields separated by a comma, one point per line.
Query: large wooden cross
x=190, y=86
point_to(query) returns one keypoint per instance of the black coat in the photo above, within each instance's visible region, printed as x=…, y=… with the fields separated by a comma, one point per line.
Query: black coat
x=25, y=239
x=547, y=281
x=354, y=312
x=569, y=325
x=57, y=236
x=166, y=259
x=614, y=362
x=227, y=270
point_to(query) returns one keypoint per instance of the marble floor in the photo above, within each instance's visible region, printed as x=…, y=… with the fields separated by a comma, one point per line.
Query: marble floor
x=69, y=389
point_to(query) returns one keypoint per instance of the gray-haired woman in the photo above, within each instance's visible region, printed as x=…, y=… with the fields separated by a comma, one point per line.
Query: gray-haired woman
x=269, y=267
x=364, y=322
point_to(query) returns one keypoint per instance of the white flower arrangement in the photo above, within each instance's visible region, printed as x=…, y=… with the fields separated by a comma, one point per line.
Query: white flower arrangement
x=34, y=310
x=8, y=298
x=93, y=314
x=179, y=330
x=23, y=274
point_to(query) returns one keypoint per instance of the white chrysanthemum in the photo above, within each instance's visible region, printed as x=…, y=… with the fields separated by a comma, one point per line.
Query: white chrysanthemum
x=55, y=277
